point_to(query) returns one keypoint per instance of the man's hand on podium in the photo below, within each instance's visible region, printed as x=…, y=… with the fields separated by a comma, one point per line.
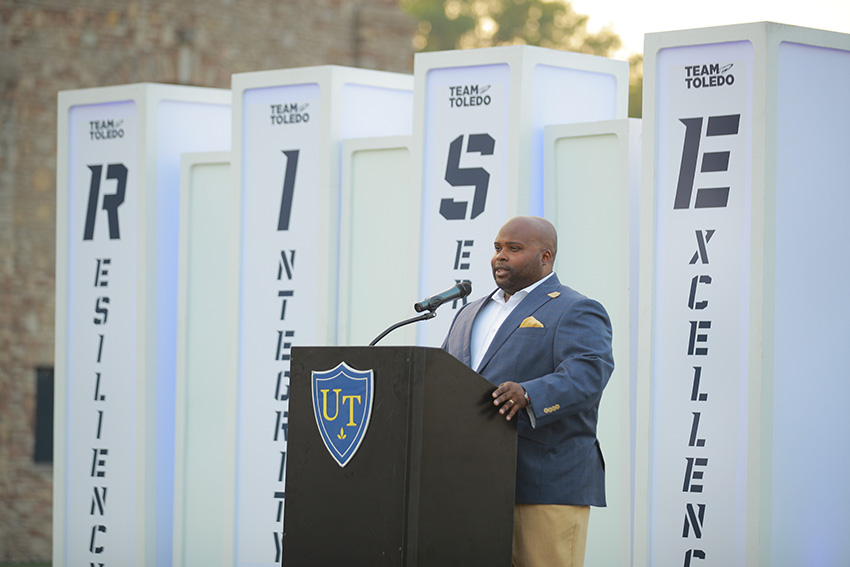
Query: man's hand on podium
x=511, y=397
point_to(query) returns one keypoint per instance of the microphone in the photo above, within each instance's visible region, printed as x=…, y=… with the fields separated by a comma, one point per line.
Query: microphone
x=458, y=291
x=430, y=304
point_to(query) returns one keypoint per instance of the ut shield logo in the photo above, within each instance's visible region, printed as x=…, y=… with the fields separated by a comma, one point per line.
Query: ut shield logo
x=342, y=404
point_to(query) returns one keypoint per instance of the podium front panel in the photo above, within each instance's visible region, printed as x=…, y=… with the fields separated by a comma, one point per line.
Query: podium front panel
x=468, y=485
x=432, y=482
x=335, y=510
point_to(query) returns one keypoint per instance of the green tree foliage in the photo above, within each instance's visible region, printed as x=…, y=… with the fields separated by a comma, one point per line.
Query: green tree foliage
x=463, y=24
x=636, y=86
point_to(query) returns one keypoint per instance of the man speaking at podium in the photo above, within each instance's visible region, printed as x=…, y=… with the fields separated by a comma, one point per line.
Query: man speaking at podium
x=548, y=349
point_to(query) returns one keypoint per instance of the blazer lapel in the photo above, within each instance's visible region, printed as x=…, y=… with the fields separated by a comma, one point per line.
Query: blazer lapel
x=465, y=329
x=538, y=297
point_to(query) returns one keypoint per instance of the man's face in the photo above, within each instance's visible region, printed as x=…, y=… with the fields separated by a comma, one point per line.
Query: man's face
x=519, y=258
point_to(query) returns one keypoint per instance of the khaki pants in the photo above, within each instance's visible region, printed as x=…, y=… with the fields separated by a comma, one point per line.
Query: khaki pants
x=549, y=535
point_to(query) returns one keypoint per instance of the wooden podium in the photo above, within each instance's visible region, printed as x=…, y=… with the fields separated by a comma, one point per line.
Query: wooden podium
x=432, y=482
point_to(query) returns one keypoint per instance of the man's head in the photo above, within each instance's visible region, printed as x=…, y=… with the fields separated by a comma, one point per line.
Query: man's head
x=525, y=250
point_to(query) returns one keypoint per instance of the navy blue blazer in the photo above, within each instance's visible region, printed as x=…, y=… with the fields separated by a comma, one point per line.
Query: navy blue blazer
x=557, y=344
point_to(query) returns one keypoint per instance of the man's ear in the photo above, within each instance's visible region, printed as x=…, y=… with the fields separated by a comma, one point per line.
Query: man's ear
x=546, y=256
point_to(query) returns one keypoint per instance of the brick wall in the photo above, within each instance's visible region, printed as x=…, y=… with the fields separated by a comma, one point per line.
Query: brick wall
x=51, y=45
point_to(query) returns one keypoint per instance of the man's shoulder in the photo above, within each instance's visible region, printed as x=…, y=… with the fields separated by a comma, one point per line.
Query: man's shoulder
x=555, y=289
x=572, y=294
x=568, y=296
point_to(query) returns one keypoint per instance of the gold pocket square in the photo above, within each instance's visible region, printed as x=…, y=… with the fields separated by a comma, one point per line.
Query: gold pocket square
x=530, y=322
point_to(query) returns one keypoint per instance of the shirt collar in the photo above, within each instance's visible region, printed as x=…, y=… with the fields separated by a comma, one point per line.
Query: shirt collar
x=499, y=295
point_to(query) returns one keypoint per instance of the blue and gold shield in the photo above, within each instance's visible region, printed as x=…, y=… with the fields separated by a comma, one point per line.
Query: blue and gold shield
x=342, y=404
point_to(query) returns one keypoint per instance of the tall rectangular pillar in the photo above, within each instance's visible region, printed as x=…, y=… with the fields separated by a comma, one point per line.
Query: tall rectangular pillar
x=205, y=412
x=118, y=176
x=288, y=129
x=378, y=215
x=743, y=368
x=592, y=173
x=479, y=123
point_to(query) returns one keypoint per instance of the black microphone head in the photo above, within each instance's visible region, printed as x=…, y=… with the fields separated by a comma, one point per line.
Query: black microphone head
x=457, y=291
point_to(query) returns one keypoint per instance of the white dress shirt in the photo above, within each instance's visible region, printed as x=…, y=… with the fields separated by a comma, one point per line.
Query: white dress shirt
x=491, y=317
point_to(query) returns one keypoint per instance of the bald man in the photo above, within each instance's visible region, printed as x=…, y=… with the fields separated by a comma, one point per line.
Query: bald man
x=547, y=348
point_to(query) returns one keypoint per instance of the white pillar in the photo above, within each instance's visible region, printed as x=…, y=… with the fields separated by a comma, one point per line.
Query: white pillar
x=743, y=363
x=592, y=173
x=379, y=217
x=118, y=174
x=288, y=129
x=479, y=119
x=205, y=412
